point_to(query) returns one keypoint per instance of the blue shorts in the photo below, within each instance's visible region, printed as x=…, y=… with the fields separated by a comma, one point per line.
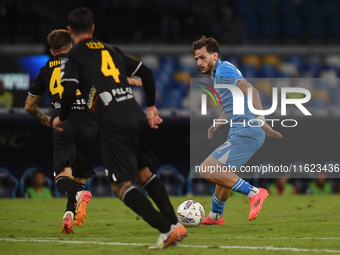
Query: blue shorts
x=240, y=146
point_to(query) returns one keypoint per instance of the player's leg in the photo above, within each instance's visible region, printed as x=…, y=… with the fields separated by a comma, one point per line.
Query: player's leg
x=83, y=167
x=220, y=195
x=140, y=204
x=120, y=153
x=156, y=190
x=65, y=156
x=77, y=196
x=150, y=182
x=82, y=198
x=218, y=202
x=233, y=182
x=66, y=185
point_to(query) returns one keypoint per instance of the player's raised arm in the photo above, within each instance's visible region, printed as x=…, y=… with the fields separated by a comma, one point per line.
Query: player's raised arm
x=244, y=85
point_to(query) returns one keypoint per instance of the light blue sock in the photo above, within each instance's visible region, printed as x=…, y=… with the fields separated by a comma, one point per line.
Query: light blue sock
x=242, y=187
x=217, y=206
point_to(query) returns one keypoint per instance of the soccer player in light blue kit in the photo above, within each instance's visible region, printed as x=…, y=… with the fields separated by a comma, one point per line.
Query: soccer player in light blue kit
x=243, y=140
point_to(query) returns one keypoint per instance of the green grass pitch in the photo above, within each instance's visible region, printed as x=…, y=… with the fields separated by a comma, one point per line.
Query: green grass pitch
x=286, y=225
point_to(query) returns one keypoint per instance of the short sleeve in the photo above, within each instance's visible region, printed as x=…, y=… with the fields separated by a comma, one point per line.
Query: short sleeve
x=131, y=65
x=69, y=71
x=38, y=88
x=227, y=73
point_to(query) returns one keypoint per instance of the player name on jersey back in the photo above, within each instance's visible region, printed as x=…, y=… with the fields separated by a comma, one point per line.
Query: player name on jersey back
x=54, y=63
x=95, y=45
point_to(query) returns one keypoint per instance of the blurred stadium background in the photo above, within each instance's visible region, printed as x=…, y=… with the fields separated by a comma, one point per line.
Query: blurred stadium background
x=274, y=43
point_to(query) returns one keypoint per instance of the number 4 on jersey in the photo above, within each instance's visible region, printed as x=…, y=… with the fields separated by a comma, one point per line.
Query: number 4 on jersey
x=108, y=67
x=55, y=86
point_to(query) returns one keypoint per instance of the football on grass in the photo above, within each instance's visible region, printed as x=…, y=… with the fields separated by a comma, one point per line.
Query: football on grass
x=190, y=213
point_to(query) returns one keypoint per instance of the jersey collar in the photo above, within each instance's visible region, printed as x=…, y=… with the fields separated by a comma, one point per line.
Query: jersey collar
x=84, y=39
x=216, y=65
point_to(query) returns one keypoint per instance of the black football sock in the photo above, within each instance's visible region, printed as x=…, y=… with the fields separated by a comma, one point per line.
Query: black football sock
x=158, y=194
x=70, y=206
x=139, y=203
x=70, y=188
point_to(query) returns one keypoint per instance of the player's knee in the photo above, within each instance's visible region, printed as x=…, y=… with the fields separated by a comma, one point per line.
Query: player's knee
x=67, y=172
x=119, y=188
x=205, y=175
x=144, y=175
x=208, y=176
x=210, y=179
x=64, y=175
x=80, y=180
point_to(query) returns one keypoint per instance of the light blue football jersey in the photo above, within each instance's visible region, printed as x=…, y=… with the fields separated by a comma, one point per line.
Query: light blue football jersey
x=227, y=73
x=243, y=140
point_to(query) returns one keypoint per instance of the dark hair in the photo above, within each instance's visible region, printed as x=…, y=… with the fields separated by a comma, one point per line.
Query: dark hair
x=80, y=20
x=59, y=39
x=211, y=43
x=35, y=173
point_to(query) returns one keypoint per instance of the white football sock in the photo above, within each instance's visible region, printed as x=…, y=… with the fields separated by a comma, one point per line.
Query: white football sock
x=78, y=194
x=254, y=191
x=178, y=224
x=67, y=212
x=215, y=216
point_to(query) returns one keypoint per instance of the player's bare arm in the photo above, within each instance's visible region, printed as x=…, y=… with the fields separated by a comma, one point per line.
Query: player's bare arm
x=31, y=106
x=135, y=82
x=213, y=128
x=244, y=85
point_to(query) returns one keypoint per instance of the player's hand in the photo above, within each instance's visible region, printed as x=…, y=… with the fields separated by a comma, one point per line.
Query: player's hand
x=211, y=132
x=57, y=123
x=271, y=132
x=153, y=118
x=47, y=122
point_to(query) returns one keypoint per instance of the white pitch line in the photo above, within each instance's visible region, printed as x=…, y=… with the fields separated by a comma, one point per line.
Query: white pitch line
x=212, y=238
x=273, y=238
x=260, y=248
x=70, y=241
x=180, y=245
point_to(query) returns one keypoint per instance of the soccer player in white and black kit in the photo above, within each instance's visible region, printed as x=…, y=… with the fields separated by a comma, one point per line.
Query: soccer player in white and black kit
x=100, y=71
x=73, y=149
